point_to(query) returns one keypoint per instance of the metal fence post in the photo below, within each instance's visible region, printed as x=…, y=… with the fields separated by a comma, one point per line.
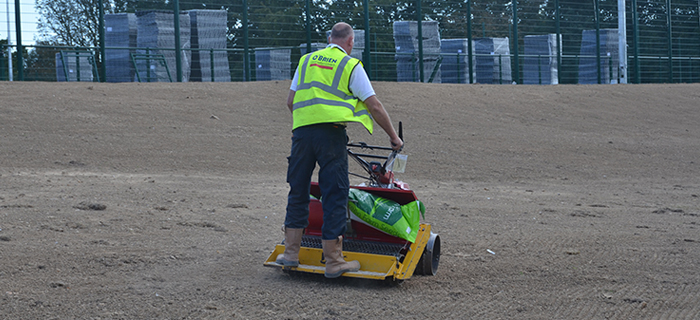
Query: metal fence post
x=178, y=49
x=367, y=58
x=622, y=34
x=470, y=55
x=597, y=41
x=211, y=64
x=101, y=28
x=9, y=43
x=308, y=26
x=18, y=29
x=635, y=35
x=559, y=46
x=419, y=18
x=246, y=53
x=516, y=68
x=670, y=42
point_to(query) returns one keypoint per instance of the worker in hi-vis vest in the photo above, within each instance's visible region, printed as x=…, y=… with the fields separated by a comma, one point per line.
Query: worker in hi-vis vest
x=329, y=89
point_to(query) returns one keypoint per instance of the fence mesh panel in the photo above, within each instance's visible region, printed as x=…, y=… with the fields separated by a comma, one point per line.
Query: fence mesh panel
x=482, y=41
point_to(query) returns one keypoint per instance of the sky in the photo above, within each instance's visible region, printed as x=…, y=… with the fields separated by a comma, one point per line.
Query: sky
x=28, y=19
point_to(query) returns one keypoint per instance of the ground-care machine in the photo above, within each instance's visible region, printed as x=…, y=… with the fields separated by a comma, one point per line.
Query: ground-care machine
x=388, y=245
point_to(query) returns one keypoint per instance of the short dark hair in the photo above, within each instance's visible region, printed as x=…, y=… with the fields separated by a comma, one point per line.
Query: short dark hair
x=341, y=30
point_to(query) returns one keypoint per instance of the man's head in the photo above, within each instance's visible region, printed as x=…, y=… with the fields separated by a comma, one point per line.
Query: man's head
x=342, y=35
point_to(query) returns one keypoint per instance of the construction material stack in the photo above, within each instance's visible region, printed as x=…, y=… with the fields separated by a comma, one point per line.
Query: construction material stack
x=541, y=59
x=272, y=64
x=120, y=33
x=74, y=66
x=609, y=57
x=455, y=61
x=208, y=31
x=156, y=30
x=407, y=51
x=492, y=61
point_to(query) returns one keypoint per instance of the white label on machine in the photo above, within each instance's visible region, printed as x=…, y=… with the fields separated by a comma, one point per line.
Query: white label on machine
x=400, y=163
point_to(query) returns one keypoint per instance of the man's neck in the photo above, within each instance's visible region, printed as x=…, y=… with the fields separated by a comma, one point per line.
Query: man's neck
x=335, y=45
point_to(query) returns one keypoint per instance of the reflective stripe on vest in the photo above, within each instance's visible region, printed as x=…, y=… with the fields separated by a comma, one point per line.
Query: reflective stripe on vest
x=333, y=89
x=322, y=96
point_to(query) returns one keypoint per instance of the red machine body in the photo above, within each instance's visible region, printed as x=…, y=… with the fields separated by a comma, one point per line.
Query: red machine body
x=360, y=231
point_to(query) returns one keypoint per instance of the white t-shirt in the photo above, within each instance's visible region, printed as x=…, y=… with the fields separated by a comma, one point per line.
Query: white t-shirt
x=359, y=81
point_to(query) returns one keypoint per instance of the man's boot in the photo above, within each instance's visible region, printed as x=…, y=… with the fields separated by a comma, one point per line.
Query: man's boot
x=335, y=264
x=292, y=243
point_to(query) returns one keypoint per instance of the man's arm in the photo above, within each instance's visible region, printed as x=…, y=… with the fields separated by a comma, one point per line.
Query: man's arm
x=376, y=108
x=290, y=100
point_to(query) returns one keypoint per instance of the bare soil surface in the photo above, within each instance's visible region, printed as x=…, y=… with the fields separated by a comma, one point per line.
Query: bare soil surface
x=161, y=201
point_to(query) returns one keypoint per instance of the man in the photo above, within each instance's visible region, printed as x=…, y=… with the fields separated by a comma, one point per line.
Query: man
x=329, y=89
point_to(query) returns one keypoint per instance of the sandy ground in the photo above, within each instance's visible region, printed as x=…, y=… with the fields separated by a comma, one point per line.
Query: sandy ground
x=161, y=201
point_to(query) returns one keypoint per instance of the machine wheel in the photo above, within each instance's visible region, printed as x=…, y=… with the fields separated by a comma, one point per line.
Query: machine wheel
x=430, y=259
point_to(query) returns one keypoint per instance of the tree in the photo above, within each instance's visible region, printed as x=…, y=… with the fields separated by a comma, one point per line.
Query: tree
x=74, y=22
x=41, y=63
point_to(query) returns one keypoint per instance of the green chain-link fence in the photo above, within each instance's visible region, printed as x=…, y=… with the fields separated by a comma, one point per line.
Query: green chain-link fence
x=495, y=42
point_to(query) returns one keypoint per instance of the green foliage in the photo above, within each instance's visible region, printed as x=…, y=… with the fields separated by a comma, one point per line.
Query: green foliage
x=41, y=62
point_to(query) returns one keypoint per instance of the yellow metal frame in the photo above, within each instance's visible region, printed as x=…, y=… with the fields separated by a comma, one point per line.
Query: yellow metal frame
x=372, y=266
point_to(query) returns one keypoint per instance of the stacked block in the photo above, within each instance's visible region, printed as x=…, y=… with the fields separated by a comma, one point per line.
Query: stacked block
x=120, y=32
x=492, y=61
x=407, y=53
x=540, y=61
x=273, y=64
x=609, y=57
x=78, y=68
x=455, y=61
x=156, y=30
x=208, y=31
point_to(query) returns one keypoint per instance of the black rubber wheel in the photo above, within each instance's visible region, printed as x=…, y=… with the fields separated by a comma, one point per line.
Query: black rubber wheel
x=430, y=259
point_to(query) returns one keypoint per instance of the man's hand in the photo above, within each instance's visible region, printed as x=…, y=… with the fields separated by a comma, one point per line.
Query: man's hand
x=396, y=144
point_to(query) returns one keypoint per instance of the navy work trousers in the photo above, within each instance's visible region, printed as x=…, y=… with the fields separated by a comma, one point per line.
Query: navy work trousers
x=325, y=144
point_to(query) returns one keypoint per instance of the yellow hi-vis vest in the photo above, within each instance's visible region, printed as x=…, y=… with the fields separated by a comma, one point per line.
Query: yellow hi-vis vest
x=323, y=91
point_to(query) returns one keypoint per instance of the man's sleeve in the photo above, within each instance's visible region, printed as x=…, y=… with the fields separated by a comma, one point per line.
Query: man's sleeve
x=360, y=85
x=293, y=86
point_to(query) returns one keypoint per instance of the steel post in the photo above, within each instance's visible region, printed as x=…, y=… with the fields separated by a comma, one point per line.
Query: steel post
x=622, y=34
x=367, y=58
x=559, y=47
x=308, y=25
x=9, y=43
x=470, y=54
x=670, y=42
x=597, y=41
x=101, y=28
x=419, y=18
x=18, y=30
x=246, y=46
x=635, y=35
x=516, y=65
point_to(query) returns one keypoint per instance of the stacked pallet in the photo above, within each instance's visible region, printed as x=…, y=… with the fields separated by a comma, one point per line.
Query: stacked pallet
x=455, y=61
x=208, y=31
x=407, y=50
x=120, y=32
x=74, y=67
x=609, y=57
x=156, y=32
x=540, y=62
x=272, y=64
x=492, y=61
